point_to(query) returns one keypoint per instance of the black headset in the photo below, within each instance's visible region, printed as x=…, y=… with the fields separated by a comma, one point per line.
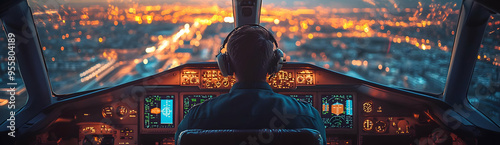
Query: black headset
x=224, y=62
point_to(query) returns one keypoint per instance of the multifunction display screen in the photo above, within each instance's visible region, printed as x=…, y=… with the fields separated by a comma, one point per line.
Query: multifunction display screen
x=336, y=110
x=159, y=111
x=192, y=100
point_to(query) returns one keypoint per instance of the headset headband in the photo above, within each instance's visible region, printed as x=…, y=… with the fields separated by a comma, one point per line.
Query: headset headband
x=248, y=25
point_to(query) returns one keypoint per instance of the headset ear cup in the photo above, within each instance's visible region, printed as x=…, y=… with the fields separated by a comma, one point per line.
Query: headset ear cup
x=222, y=63
x=230, y=70
x=276, y=62
x=280, y=59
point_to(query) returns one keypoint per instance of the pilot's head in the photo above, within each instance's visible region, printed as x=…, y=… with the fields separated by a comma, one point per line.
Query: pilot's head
x=250, y=50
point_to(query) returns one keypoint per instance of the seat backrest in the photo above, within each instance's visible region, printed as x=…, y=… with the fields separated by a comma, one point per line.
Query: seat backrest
x=303, y=136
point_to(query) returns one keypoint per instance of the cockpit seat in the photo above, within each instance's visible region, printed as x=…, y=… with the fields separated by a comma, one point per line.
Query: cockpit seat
x=303, y=136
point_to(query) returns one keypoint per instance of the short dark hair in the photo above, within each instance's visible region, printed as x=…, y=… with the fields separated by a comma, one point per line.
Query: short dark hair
x=250, y=49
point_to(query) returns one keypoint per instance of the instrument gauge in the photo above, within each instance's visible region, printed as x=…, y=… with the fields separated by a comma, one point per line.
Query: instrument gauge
x=380, y=126
x=107, y=111
x=368, y=107
x=121, y=111
x=309, y=79
x=403, y=127
x=300, y=79
x=367, y=125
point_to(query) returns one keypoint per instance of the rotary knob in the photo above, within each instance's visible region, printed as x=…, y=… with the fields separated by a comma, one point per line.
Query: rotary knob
x=300, y=79
x=121, y=111
x=193, y=80
x=309, y=79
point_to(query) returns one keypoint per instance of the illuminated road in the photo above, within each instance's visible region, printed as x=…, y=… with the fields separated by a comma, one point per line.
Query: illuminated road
x=111, y=71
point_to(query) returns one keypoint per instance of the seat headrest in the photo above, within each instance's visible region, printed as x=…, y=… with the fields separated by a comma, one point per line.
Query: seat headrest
x=303, y=136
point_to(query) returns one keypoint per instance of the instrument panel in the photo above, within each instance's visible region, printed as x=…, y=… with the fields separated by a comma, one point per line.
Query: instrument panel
x=350, y=114
x=347, y=116
x=213, y=79
x=340, y=111
x=162, y=111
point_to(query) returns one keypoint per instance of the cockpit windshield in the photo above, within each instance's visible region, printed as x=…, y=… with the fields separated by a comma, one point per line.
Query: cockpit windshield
x=91, y=44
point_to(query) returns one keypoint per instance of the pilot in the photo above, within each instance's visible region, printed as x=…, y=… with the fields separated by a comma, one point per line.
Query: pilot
x=251, y=103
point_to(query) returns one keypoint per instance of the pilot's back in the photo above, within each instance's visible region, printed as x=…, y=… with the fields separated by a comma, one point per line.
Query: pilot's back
x=252, y=106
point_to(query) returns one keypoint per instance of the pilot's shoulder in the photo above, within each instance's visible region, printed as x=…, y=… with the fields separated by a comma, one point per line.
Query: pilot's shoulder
x=293, y=99
x=207, y=101
x=302, y=101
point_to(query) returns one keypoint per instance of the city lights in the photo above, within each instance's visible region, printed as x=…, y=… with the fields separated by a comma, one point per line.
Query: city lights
x=150, y=49
x=145, y=36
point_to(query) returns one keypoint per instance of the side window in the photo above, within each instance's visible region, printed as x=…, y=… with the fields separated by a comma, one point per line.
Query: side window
x=8, y=79
x=484, y=89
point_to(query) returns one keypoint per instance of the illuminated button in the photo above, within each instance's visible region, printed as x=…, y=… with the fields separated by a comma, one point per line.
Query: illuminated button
x=194, y=80
x=367, y=107
x=367, y=125
x=379, y=109
x=121, y=111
